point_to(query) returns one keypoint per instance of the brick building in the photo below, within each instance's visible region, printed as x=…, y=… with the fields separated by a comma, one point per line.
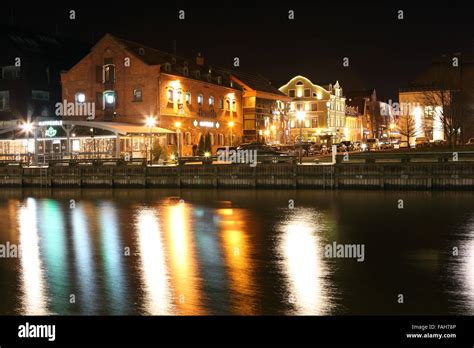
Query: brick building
x=127, y=82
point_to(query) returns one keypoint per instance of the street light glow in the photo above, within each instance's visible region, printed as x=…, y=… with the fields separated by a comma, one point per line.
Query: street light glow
x=150, y=121
x=177, y=124
x=27, y=127
x=231, y=124
x=300, y=115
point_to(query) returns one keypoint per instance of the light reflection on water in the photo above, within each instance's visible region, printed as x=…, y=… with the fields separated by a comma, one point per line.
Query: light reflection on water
x=244, y=254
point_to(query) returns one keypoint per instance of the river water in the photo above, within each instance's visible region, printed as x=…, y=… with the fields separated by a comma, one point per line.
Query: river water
x=243, y=252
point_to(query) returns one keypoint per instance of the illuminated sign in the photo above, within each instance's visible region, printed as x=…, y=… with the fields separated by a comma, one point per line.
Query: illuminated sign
x=50, y=123
x=207, y=124
x=50, y=132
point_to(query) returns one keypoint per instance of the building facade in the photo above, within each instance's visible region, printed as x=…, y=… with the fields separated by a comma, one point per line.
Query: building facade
x=322, y=110
x=126, y=82
x=265, y=110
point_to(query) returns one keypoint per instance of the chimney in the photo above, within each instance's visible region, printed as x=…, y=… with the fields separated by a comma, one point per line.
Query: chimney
x=200, y=59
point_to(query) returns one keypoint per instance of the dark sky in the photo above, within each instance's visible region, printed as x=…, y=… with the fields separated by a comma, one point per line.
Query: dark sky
x=384, y=53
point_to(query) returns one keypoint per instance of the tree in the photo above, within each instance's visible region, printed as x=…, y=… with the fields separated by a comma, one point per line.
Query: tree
x=447, y=96
x=207, y=143
x=202, y=146
x=407, y=126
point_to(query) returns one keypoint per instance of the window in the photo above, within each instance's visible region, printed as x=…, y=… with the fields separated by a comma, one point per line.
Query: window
x=109, y=73
x=211, y=101
x=180, y=97
x=299, y=83
x=220, y=139
x=137, y=95
x=212, y=138
x=4, y=100
x=219, y=80
x=167, y=67
x=170, y=95
x=188, y=98
x=307, y=93
x=187, y=138
x=227, y=104
x=40, y=95
x=185, y=71
x=314, y=122
x=10, y=72
x=291, y=93
x=109, y=99
x=80, y=98
x=197, y=74
x=221, y=103
x=314, y=107
x=234, y=106
x=200, y=99
x=299, y=107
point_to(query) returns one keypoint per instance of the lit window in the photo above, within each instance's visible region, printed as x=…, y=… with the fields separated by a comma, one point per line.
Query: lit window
x=109, y=98
x=188, y=98
x=180, y=97
x=80, y=98
x=137, y=95
x=170, y=95
x=211, y=101
x=234, y=105
x=109, y=73
x=227, y=104
x=200, y=99
x=221, y=103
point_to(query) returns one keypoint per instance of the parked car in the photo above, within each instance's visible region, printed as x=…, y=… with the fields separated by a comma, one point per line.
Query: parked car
x=266, y=153
x=470, y=141
x=372, y=144
x=344, y=146
x=385, y=144
x=422, y=142
x=440, y=143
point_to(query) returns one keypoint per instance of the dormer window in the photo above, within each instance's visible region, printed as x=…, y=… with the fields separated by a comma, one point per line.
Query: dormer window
x=173, y=60
x=167, y=67
x=219, y=80
x=299, y=83
x=141, y=51
x=198, y=74
x=186, y=71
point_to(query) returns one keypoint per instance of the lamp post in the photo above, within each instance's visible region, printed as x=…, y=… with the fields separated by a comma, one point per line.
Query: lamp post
x=27, y=128
x=300, y=115
x=231, y=125
x=150, y=123
x=177, y=124
x=93, y=141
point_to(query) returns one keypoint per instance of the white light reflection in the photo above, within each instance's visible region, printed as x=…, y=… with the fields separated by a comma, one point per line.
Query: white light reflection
x=303, y=266
x=34, y=300
x=153, y=265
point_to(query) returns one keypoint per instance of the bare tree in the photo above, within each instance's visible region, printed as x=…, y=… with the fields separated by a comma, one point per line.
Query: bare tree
x=406, y=126
x=446, y=95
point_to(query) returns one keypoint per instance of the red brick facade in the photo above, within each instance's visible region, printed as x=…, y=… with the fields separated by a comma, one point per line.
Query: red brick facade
x=146, y=82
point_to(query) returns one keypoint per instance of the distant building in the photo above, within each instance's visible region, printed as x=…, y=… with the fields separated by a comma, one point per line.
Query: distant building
x=265, y=110
x=441, y=99
x=30, y=69
x=323, y=108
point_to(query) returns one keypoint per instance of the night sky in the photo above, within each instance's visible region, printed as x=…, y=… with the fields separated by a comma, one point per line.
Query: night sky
x=385, y=53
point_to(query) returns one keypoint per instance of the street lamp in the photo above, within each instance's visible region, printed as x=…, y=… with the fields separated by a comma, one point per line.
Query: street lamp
x=27, y=128
x=177, y=124
x=300, y=115
x=231, y=125
x=150, y=123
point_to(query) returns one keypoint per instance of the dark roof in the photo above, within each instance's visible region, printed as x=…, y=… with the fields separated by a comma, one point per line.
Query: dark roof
x=153, y=56
x=256, y=82
x=365, y=93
